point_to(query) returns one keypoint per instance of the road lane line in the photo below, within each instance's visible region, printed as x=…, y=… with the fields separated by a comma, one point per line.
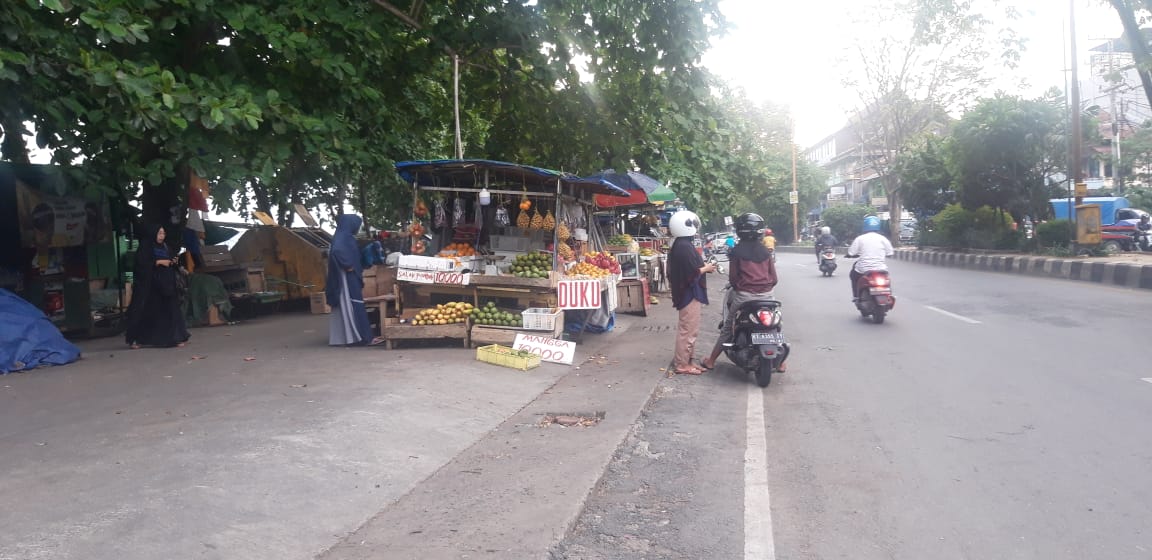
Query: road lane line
x=953, y=315
x=1148, y=379
x=758, y=539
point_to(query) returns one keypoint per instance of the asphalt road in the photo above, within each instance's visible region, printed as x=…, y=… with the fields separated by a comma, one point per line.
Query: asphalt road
x=992, y=416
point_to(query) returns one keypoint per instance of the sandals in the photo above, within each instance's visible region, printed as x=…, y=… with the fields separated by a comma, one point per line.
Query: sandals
x=707, y=367
x=692, y=370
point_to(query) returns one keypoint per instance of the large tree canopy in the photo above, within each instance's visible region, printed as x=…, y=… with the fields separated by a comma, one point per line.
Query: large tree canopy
x=312, y=101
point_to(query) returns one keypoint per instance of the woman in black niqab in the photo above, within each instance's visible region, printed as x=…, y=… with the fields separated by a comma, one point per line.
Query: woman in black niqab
x=155, y=316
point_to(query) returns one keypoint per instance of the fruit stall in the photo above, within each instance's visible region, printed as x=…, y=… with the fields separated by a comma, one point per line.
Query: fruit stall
x=637, y=239
x=504, y=238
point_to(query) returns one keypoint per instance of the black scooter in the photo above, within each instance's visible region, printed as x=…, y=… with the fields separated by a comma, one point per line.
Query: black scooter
x=758, y=344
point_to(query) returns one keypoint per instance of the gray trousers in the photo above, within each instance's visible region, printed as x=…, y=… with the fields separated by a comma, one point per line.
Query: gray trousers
x=732, y=301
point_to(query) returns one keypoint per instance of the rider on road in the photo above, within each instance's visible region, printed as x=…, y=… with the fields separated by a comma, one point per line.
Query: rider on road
x=751, y=274
x=871, y=248
x=826, y=239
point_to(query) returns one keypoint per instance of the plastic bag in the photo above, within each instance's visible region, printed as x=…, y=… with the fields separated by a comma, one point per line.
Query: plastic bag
x=502, y=217
x=441, y=219
x=458, y=212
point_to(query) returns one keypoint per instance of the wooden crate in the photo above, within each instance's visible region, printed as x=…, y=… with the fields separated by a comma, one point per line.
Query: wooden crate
x=633, y=296
x=393, y=330
x=488, y=334
x=319, y=304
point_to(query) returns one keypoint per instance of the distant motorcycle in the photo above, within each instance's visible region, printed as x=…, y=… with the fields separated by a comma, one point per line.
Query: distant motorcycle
x=874, y=295
x=758, y=344
x=827, y=261
x=720, y=269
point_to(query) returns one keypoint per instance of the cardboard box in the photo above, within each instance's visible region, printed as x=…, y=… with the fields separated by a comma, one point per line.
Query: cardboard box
x=320, y=304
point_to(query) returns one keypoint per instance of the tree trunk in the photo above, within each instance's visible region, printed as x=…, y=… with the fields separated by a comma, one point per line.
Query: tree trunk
x=895, y=209
x=1136, y=41
x=14, y=148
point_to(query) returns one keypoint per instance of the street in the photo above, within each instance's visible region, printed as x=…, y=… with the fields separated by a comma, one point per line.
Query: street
x=992, y=416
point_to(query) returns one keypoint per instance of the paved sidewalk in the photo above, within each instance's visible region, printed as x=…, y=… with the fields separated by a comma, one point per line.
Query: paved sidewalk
x=201, y=452
x=258, y=441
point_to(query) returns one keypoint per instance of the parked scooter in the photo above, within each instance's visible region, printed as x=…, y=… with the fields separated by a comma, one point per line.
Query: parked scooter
x=827, y=261
x=758, y=344
x=874, y=295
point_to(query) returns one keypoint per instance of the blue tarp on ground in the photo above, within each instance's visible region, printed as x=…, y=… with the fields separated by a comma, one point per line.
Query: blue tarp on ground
x=28, y=339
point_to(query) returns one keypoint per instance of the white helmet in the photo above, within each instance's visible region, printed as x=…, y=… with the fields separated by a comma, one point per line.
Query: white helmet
x=683, y=224
x=826, y=230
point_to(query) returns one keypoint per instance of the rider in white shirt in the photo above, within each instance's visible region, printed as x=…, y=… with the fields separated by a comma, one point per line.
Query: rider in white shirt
x=872, y=250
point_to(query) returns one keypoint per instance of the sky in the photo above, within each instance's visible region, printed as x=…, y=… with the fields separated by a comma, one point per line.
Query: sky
x=787, y=52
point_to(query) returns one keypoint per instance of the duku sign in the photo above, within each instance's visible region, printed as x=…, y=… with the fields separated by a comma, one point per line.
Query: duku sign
x=549, y=349
x=578, y=294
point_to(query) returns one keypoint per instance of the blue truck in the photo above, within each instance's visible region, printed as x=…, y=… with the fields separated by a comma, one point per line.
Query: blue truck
x=1113, y=209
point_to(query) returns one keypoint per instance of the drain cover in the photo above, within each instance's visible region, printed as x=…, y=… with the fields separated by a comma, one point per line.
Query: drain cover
x=571, y=419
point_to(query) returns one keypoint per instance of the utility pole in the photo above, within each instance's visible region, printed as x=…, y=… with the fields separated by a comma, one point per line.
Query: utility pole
x=794, y=196
x=1075, y=175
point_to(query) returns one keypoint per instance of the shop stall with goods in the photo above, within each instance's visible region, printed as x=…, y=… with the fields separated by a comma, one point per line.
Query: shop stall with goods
x=499, y=250
x=636, y=237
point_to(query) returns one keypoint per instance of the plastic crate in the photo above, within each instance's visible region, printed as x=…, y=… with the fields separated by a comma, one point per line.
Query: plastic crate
x=507, y=357
x=541, y=318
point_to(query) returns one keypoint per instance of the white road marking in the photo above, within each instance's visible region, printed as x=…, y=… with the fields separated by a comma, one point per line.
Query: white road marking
x=1148, y=379
x=953, y=315
x=801, y=265
x=758, y=540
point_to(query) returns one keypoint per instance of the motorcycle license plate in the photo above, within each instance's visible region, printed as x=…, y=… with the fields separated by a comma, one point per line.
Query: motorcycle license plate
x=876, y=291
x=767, y=338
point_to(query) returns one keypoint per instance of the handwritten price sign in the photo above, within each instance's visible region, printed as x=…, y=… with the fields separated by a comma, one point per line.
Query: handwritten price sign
x=432, y=277
x=549, y=349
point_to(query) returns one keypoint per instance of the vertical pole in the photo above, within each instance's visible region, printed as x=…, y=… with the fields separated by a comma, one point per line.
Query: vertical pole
x=795, y=206
x=1075, y=176
x=1117, y=177
x=456, y=101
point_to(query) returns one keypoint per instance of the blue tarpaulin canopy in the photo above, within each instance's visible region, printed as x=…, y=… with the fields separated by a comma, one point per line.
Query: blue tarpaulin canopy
x=469, y=173
x=632, y=180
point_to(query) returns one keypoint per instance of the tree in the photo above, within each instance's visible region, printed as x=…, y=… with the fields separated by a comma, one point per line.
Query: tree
x=930, y=57
x=1002, y=155
x=846, y=221
x=1132, y=13
x=923, y=170
x=312, y=101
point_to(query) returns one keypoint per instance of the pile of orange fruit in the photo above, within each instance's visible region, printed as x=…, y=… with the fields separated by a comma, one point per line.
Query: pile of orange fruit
x=457, y=250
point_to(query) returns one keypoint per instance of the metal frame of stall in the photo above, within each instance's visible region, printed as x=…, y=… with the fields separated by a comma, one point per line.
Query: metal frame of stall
x=567, y=190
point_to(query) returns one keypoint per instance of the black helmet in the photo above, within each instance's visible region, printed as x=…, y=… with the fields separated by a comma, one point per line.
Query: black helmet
x=750, y=226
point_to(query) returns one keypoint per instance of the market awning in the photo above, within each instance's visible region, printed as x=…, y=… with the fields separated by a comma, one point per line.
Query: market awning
x=631, y=180
x=634, y=198
x=662, y=194
x=469, y=173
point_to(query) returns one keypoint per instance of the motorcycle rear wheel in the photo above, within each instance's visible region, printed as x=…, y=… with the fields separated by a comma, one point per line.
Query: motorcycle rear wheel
x=764, y=372
x=878, y=315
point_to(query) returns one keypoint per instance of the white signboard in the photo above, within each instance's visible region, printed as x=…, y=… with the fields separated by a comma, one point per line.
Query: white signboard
x=793, y=197
x=577, y=294
x=549, y=349
x=432, y=277
x=836, y=191
x=727, y=220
